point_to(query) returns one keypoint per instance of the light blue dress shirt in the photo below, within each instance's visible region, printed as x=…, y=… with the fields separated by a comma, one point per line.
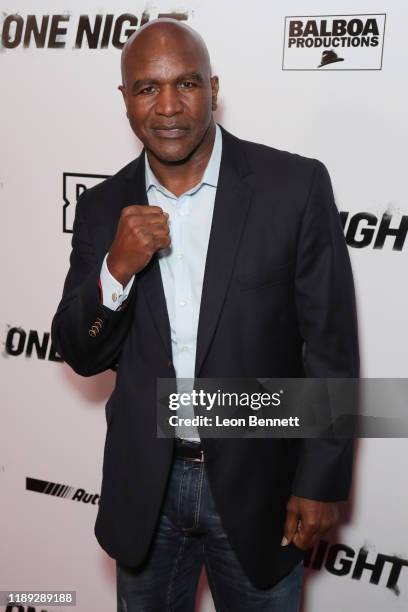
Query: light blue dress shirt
x=181, y=266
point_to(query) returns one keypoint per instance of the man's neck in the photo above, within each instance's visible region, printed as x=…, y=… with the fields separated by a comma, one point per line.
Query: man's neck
x=179, y=178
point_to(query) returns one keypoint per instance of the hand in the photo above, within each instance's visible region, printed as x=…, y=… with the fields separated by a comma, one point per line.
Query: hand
x=141, y=231
x=307, y=520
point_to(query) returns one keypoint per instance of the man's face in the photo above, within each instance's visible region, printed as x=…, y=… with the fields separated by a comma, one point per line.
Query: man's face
x=169, y=96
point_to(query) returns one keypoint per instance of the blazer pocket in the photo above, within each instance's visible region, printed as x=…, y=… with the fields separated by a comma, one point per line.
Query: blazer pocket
x=267, y=277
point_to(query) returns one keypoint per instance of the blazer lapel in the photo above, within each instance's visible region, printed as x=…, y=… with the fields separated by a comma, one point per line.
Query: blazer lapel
x=231, y=206
x=149, y=279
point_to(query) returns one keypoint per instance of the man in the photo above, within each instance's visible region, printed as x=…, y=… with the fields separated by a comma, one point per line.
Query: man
x=207, y=256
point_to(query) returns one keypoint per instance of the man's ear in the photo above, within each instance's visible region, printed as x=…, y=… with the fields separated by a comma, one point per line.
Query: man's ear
x=122, y=89
x=214, y=92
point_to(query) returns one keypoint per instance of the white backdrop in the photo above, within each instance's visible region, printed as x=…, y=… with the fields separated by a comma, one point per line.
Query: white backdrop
x=61, y=113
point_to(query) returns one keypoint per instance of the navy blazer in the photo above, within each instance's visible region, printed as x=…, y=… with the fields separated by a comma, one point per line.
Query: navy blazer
x=277, y=301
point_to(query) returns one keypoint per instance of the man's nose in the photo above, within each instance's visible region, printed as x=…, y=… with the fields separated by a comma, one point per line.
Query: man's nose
x=168, y=102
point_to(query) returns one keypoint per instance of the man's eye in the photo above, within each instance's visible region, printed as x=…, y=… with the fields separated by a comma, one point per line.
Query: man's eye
x=187, y=84
x=147, y=90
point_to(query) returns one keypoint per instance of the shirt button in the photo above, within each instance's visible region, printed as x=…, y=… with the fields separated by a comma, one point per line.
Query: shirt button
x=183, y=303
x=114, y=296
x=180, y=256
x=184, y=348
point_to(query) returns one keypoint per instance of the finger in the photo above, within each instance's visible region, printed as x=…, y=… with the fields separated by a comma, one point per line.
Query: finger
x=306, y=534
x=145, y=239
x=290, y=527
x=159, y=228
x=145, y=221
x=155, y=209
x=141, y=209
x=304, y=541
x=162, y=242
x=148, y=234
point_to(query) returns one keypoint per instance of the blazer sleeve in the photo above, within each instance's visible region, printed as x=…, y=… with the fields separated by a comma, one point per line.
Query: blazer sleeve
x=88, y=335
x=326, y=312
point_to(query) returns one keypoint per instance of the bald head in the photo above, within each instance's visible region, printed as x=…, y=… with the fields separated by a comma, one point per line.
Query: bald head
x=162, y=35
x=168, y=89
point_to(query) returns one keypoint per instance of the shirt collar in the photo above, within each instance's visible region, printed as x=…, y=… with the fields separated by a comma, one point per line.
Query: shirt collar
x=210, y=176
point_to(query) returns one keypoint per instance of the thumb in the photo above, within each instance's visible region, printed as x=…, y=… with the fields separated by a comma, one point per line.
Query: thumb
x=290, y=527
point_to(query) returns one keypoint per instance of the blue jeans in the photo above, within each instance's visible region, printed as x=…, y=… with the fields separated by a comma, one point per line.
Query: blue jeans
x=190, y=533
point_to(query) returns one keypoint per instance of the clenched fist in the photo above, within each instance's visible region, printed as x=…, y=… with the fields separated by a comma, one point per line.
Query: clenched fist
x=141, y=231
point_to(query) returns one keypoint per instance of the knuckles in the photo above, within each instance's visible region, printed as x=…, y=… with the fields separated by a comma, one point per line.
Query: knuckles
x=311, y=525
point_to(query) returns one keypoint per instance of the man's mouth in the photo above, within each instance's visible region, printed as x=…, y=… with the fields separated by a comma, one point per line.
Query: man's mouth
x=169, y=132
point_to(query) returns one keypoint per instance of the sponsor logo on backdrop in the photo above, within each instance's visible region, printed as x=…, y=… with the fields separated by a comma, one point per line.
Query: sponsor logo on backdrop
x=358, y=564
x=361, y=229
x=58, y=31
x=61, y=490
x=364, y=229
x=30, y=344
x=334, y=42
x=74, y=183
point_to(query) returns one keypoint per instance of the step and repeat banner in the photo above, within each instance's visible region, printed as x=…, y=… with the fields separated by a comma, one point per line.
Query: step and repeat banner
x=326, y=80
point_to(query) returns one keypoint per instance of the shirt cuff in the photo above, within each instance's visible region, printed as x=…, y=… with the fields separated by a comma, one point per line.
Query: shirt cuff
x=112, y=292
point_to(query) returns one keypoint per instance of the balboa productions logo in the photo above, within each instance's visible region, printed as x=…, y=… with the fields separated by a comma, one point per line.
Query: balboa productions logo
x=334, y=42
